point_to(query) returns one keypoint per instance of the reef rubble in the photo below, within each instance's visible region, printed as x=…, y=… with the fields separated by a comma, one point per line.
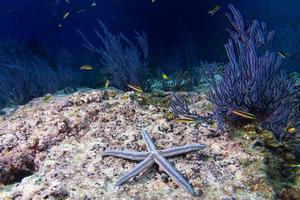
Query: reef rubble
x=52, y=150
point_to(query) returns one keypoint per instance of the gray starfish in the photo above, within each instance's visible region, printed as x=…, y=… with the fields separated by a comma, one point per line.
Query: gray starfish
x=157, y=156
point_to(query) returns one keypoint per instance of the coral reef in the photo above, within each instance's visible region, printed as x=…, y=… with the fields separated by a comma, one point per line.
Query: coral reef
x=179, y=108
x=183, y=66
x=61, y=146
x=252, y=81
x=125, y=62
x=26, y=73
x=61, y=141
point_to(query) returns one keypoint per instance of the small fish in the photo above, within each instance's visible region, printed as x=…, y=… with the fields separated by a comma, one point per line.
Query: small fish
x=292, y=130
x=243, y=114
x=46, y=98
x=66, y=15
x=282, y=54
x=185, y=120
x=125, y=97
x=86, y=67
x=106, y=83
x=60, y=25
x=80, y=10
x=169, y=115
x=165, y=76
x=94, y=4
x=153, y=1
x=67, y=1
x=297, y=165
x=135, y=88
x=214, y=10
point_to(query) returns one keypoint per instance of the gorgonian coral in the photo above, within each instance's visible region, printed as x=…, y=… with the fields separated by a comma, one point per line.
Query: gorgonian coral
x=27, y=72
x=125, y=62
x=180, y=108
x=252, y=81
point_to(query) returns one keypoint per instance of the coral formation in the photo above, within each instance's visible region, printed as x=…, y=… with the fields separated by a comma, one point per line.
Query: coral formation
x=58, y=146
x=66, y=136
x=125, y=62
x=182, y=67
x=26, y=73
x=252, y=81
x=179, y=107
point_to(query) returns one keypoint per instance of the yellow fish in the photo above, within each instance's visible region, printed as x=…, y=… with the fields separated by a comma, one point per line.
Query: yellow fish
x=292, y=130
x=165, y=76
x=214, y=10
x=86, y=67
x=297, y=165
x=282, y=54
x=66, y=15
x=135, y=88
x=243, y=114
x=106, y=83
x=185, y=120
x=48, y=97
x=169, y=115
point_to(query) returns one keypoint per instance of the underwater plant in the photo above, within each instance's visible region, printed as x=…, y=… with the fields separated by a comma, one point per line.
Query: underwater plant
x=252, y=81
x=180, y=108
x=26, y=73
x=293, y=122
x=124, y=61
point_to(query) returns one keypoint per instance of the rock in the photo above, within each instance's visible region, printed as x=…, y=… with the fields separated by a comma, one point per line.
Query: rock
x=61, y=141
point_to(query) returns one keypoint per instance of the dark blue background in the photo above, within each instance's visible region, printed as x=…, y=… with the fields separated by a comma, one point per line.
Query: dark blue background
x=166, y=22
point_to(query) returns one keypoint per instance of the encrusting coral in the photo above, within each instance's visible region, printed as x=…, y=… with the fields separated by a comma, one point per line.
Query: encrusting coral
x=66, y=136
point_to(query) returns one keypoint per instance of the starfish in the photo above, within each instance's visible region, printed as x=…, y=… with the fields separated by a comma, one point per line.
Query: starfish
x=155, y=156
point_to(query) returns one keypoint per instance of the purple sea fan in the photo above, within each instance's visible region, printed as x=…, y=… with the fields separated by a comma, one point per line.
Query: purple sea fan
x=252, y=81
x=126, y=62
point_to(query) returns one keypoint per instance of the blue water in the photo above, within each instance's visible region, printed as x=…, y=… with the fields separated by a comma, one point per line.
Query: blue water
x=39, y=29
x=165, y=22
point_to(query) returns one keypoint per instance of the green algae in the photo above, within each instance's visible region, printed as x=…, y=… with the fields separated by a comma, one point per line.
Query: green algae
x=278, y=160
x=158, y=99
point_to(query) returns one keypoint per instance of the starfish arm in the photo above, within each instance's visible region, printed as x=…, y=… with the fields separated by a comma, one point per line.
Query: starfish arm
x=180, y=150
x=171, y=171
x=131, y=155
x=136, y=170
x=149, y=143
